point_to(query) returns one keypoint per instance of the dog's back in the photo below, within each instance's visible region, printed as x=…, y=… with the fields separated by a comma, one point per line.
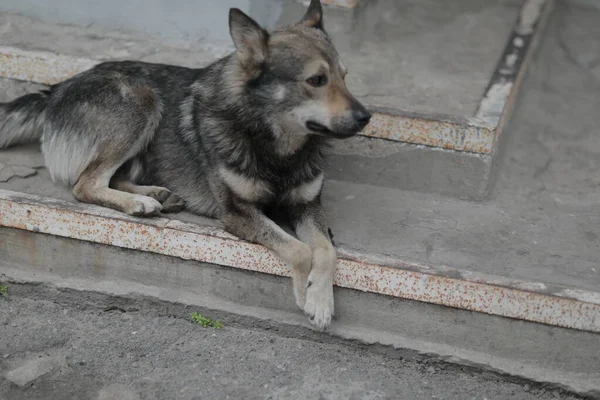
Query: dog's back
x=116, y=105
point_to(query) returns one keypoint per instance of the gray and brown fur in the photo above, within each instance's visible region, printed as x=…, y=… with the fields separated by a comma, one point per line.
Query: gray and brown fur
x=231, y=141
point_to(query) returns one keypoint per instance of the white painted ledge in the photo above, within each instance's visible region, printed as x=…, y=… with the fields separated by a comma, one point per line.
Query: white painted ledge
x=529, y=301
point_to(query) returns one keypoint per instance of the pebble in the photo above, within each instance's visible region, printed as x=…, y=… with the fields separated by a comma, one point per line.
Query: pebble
x=35, y=368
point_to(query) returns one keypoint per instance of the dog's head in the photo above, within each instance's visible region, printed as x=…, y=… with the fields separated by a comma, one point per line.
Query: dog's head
x=296, y=75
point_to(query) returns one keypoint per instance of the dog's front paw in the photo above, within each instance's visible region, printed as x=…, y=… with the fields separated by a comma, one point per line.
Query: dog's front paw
x=143, y=206
x=319, y=302
x=299, y=258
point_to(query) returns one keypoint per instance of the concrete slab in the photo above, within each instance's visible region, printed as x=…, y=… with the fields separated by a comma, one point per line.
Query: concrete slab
x=504, y=238
x=543, y=220
x=206, y=241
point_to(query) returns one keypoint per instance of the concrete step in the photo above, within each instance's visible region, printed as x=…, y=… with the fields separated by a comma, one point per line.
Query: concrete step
x=510, y=284
x=543, y=353
x=420, y=67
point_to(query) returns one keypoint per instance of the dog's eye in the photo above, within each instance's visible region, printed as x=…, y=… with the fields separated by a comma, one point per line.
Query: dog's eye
x=317, y=80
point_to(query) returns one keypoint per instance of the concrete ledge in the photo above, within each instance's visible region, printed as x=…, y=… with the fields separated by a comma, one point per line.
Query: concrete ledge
x=48, y=69
x=334, y=3
x=529, y=301
x=404, y=166
x=561, y=357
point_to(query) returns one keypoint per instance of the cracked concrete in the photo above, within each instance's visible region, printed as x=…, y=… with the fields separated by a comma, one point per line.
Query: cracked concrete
x=7, y=172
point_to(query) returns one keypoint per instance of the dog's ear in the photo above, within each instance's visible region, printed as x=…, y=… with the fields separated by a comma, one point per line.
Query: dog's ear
x=249, y=39
x=314, y=15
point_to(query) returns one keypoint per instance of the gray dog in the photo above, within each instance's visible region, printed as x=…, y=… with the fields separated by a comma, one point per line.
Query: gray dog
x=233, y=141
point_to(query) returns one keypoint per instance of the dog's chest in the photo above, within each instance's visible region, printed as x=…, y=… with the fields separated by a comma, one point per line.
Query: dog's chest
x=256, y=190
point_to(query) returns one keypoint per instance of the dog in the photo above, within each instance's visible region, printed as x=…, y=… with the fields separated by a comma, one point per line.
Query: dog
x=233, y=141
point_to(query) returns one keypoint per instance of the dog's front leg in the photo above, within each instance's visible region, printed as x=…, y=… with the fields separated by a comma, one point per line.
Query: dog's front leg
x=249, y=223
x=310, y=223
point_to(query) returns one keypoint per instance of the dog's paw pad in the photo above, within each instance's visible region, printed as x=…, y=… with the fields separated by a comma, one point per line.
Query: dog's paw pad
x=144, y=206
x=319, y=306
x=300, y=299
x=159, y=194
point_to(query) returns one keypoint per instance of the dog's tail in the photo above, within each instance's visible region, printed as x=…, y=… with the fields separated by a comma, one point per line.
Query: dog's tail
x=21, y=120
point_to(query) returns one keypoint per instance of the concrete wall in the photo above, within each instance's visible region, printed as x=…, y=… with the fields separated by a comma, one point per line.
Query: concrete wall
x=172, y=19
x=589, y=3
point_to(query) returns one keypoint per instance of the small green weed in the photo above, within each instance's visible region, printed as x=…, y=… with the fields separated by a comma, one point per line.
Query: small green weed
x=4, y=290
x=205, y=321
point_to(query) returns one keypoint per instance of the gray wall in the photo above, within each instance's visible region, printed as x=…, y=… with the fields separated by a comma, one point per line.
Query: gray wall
x=177, y=20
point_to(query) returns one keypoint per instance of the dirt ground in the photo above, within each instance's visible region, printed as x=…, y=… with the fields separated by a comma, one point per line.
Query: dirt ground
x=79, y=345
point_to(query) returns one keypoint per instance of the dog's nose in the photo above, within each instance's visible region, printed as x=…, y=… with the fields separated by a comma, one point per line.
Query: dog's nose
x=362, y=116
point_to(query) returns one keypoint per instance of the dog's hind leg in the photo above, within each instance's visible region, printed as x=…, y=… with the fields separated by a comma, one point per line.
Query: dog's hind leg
x=93, y=187
x=170, y=202
x=98, y=123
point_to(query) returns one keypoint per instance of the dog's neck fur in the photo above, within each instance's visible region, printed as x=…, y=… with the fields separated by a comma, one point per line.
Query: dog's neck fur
x=224, y=106
x=287, y=144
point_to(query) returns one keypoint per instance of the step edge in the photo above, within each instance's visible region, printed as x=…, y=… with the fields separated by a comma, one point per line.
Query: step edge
x=380, y=274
